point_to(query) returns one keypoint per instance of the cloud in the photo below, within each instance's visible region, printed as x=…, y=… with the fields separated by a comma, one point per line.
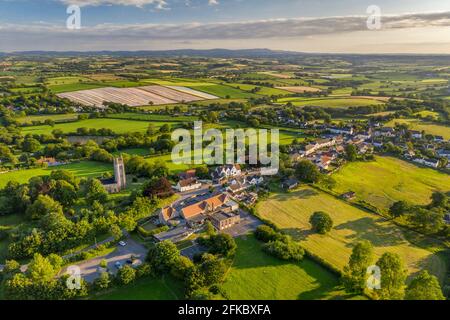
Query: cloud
x=130, y=36
x=159, y=4
x=213, y=2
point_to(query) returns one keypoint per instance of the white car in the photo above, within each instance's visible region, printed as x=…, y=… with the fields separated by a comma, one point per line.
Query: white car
x=122, y=243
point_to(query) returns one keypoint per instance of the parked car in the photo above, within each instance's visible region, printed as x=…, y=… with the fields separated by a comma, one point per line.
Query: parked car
x=122, y=243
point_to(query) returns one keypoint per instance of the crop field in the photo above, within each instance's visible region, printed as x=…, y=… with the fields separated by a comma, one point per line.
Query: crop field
x=139, y=96
x=428, y=127
x=386, y=180
x=299, y=89
x=329, y=102
x=291, y=212
x=80, y=169
x=257, y=276
x=116, y=125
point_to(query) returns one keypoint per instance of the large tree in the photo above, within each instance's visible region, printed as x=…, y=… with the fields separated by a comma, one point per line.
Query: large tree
x=43, y=206
x=307, y=171
x=163, y=256
x=393, y=276
x=424, y=287
x=321, y=222
x=355, y=273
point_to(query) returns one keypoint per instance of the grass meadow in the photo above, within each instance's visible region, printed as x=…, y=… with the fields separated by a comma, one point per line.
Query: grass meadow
x=428, y=127
x=80, y=169
x=256, y=275
x=291, y=213
x=387, y=180
x=330, y=102
x=117, y=125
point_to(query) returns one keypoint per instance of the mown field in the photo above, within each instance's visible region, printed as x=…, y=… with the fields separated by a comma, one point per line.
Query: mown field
x=147, y=289
x=330, y=102
x=291, y=212
x=80, y=169
x=258, y=276
x=428, y=127
x=116, y=125
x=386, y=180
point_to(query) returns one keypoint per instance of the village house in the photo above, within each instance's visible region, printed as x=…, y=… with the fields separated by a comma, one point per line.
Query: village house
x=188, y=185
x=344, y=130
x=222, y=173
x=427, y=162
x=416, y=134
x=317, y=145
x=385, y=132
x=290, y=184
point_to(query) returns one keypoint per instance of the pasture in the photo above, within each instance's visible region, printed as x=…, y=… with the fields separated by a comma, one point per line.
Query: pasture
x=54, y=117
x=291, y=213
x=386, y=180
x=332, y=102
x=79, y=169
x=163, y=288
x=256, y=275
x=428, y=127
x=299, y=89
x=116, y=125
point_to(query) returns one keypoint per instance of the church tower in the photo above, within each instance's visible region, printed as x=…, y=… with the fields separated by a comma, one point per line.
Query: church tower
x=119, y=173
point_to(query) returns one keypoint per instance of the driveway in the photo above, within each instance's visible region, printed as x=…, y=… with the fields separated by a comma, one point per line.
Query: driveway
x=90, y=268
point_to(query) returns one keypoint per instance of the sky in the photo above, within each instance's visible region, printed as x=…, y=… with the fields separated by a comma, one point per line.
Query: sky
x=326, y=26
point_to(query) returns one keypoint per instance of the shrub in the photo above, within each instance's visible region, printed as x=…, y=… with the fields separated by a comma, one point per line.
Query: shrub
x=285, y=250
x=265, y=233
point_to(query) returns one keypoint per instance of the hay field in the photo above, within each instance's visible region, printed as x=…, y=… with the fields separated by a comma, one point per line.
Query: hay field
x=134, y=97
x=292, y=211
x=299, y=89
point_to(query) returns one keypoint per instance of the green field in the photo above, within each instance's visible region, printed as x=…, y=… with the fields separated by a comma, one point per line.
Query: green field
x=80, y=169
x=54, y=117
x=387, y=180
x=265, y=91
x=147, y=289
x=152, y=117
x=291, y=212
x=330, y=102
x=60, y=88
x=428, y=127
x=258, y=276
x=117, y=125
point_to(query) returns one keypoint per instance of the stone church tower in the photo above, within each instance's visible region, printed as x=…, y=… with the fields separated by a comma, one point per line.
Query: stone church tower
x=119, y=173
